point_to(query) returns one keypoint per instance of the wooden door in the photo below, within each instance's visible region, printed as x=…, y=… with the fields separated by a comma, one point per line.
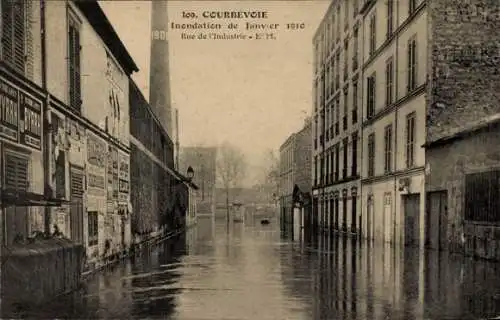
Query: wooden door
x=411, y=218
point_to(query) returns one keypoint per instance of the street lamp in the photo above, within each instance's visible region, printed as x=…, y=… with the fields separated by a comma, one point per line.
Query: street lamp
x=190, y=173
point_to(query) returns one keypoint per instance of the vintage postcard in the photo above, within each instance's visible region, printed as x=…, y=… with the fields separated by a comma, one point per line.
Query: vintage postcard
x=252, y=159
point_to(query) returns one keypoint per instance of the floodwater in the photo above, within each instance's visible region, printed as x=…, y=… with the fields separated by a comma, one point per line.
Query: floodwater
x=251, y=271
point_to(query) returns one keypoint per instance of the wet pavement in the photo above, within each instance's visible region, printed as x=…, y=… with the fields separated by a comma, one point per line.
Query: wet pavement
x=257, y=272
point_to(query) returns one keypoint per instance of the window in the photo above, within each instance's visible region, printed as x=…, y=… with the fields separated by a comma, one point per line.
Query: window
x=412, y=64
x=74, y=49
x=315, y=170
x=17, y=37
x=322, y=170
x=332, y=168
x=346, y=59
x=370, y=104
x=344, y=118
x=371, y=155
x=355, y=50
x=410, y=140
x=354, y=160
x=332, y=72
x=388, y=149
x=346, y=150
x=337, y=116
x=389, y=81
x=482, y=203
x=390, y=17
x=412, y=5
x=355, y=102
x=355, y=8
x=373, y=35
x=346, y=13
x=338, y=22
x=93, y=226
x=337, y=71
x=337, y=164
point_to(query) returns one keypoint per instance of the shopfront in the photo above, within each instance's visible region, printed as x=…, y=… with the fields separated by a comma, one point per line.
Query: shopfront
x=21, y=151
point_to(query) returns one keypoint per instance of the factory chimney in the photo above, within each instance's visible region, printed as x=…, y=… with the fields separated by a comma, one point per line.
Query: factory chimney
x=159, y=80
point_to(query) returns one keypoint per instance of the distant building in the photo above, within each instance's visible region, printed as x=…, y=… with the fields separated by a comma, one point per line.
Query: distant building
x=295, y=170
x=203, y=160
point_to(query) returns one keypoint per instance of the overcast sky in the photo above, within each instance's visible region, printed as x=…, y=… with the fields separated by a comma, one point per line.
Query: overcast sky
x=251, y=93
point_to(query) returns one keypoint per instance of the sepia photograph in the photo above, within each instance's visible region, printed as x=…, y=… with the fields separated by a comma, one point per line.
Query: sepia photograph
x=250, y=159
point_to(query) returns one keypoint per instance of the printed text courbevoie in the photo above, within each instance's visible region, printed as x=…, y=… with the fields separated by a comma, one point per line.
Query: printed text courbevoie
x=235, y=14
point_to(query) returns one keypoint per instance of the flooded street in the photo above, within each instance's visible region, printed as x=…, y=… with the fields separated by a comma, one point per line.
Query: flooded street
x=258, y=272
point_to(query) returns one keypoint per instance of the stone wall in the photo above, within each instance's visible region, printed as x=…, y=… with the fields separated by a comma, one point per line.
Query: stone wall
x=35, y=272
x=464, y=61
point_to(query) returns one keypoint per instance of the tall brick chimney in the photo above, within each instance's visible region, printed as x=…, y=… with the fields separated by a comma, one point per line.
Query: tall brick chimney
x=159, y=80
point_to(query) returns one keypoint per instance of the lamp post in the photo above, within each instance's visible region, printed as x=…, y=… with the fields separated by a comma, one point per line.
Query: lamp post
x=190, y=173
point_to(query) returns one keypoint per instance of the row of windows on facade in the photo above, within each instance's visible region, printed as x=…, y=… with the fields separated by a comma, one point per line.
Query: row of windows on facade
x=327, y=165
x=332, y=112
x=330, y=123
x=17, y=49
x=410, y=147
x=333, y=31
x=327, y=168
x=330, y=213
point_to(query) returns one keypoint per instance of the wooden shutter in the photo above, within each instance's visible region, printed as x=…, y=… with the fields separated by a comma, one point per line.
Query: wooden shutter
x=74, y=65
x=19, y=36
x=29, y=39
x=76, y=183
x=13, y=36
x=16, y=172
x=7, y=18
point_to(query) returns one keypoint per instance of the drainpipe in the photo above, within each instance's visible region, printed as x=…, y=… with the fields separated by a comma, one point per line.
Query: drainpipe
x=396, y=88
x=46, y=129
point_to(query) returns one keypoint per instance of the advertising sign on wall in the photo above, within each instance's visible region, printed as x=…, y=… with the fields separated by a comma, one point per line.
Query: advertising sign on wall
x=31, y=121
x=96, y=166
x=124, y=178
x=9, y=112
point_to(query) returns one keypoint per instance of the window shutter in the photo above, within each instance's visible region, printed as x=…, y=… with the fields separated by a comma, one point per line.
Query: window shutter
x=76, y=61
x=409, y=74
x=29, y=39
x=71, y=56
x=19, y=37
x=7, y=18
x=16, y=172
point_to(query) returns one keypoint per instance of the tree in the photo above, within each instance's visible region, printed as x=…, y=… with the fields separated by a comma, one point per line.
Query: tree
x=272, y=174
x=231, y=169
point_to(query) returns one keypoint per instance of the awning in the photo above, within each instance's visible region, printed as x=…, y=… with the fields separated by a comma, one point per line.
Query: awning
x=16, y=198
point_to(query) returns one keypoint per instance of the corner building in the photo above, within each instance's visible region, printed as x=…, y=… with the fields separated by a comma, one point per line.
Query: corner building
x=337, y=119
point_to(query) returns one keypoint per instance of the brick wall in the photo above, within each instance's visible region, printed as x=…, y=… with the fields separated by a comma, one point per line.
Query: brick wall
x=464, y=64
x=479, y=152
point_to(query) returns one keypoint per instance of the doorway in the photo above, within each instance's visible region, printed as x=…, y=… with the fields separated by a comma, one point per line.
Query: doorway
x=411, y=204
x=435, y=220
x=369, y=215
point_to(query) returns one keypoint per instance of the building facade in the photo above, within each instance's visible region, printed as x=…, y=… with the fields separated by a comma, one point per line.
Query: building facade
x=68, y=53
x=23, y=99
x=203, y=161
x=394, y=110
x=88, y=118
x=462, y=138
x=295, y=174
x=337, y=119
x=286, y=177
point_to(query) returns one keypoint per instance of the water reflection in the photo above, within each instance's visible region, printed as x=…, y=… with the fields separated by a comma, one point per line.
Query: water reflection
x=248, y=271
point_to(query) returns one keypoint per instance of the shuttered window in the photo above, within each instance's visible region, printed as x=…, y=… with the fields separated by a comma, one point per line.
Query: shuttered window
x=76, y=184
x=74, y=64
x=93, y=228
x=16, y=172
x=17, y=36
